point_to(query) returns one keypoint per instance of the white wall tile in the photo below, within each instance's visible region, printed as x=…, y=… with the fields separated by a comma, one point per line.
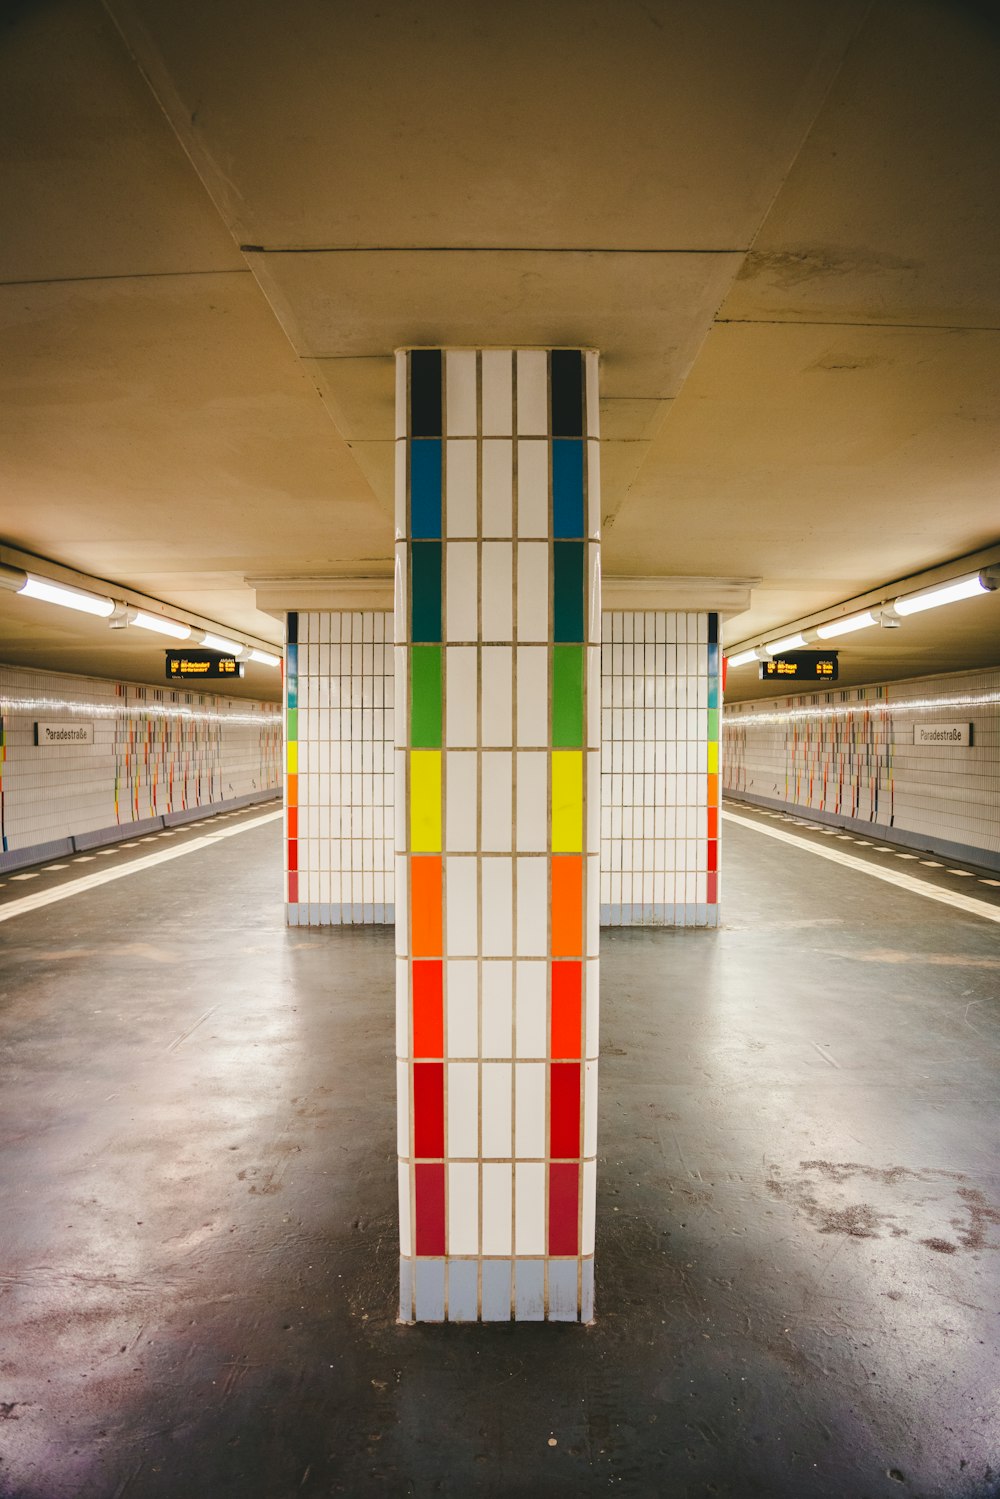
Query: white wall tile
x=532, y=801
x=497, y=1009
x=461, y=488
x=529, y=1110
x=462, y=1007
x=498, y=480
x=532, y=392
x=533, y=488
x=532, y=695
x=531, y=1008
x=463, y=1109
x=498, y=391
x=529, y=1208
x=532, y=591
x=460, y=388
x=498, y=590
x=461, y=591
x=461, y=905
x=461, y=800
x=532, y=907
x=497, y=1209
x=497, y=728
x=497, y=901
x=497, y=771
x=461, y=695
x=497, y=1086
x=463, y=1208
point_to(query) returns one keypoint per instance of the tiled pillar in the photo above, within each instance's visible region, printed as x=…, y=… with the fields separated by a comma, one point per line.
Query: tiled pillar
x=338, y=784
x=661, y=710
x=497, y=795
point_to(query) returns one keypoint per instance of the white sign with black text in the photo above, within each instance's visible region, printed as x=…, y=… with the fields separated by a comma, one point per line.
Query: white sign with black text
x=64, y=732
x=942, y=733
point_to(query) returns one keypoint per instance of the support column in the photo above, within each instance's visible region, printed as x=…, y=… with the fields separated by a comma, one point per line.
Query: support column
x=339, y=737
x=661, y=712
x=497, y=825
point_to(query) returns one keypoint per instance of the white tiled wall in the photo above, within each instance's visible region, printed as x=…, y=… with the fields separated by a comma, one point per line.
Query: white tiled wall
x=660, y=701
x=850, y=755
x=345, y=737
x=155, y=751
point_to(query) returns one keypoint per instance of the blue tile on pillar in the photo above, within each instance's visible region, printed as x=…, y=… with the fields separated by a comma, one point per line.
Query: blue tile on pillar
x=567, y=488
x=529, y=1291
x=562, y=1290
x=463, y=1290
x=587, y=1290
x=425, y=489
x=430, y=1290
x=405, y=1289
x=496, y=1290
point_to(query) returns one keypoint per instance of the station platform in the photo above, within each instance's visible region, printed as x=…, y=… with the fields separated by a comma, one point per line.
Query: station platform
x=798, y=1197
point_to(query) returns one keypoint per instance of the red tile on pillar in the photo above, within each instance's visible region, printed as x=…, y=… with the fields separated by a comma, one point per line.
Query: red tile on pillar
x=429, y=1208
x=566, y=1009
x=713, y=822
x=428, y=1009
x=712, y=889
x=564, y=1109
x=428, y=1109
x=293, y=822
x=564, y=1207
x=293, y=889
x=293, y=855
x=713, y=856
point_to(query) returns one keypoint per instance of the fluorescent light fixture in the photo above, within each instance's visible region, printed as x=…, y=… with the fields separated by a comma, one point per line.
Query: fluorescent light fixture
x=69, y=598
x=943, y=593
x=743, y=659
x=221, y=643
x=160, y=625
x=264, y=657
x=790, y=643
x=846, y=626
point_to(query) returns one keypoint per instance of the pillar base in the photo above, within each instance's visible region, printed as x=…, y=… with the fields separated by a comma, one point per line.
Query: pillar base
x=496, y=1290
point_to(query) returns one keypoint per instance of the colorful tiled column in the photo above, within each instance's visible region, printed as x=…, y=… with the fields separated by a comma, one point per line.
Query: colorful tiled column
x=339, y=737
x=661, y=712
x=498, y=820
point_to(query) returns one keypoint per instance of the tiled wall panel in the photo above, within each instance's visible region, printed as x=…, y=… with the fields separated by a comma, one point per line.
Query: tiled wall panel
x=154, y=751
x=851, y=755
x=339, y=727
x=497, y=776
x=661, y=703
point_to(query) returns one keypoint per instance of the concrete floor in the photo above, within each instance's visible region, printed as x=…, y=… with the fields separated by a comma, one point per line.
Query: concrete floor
x=798, y=1215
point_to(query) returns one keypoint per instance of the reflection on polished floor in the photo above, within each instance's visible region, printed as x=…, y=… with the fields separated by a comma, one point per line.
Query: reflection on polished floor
x=798, y=1216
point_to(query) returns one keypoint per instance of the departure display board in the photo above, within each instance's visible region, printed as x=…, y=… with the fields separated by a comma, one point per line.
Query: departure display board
x=206, y=666
x=800, y=666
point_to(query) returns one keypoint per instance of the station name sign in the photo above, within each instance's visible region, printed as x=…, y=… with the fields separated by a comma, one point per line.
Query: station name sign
x=942, y=733
x=800, y=666
x=56, y=733
x=206, y=666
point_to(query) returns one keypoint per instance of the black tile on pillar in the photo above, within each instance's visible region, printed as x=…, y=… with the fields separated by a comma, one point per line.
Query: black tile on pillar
x=425, y=393
x=567, y=393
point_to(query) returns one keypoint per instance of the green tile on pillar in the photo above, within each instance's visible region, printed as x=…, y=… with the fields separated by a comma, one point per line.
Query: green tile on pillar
x=567, y=696
x=425, y=704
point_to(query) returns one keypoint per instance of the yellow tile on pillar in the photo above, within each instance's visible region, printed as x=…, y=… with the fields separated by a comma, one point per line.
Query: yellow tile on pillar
x=567, y=802
x=425, y=801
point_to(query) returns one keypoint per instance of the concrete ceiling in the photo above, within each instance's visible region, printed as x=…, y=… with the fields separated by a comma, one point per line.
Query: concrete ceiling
x=778, y=222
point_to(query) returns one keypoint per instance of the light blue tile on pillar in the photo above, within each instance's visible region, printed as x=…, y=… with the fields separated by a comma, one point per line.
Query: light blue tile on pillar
x=529, y=1290
x=405, y=1289
x=430, y=1290
x=587, y=1290
x=463, y=1290
x=496, y=1290
x=562, y=1290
